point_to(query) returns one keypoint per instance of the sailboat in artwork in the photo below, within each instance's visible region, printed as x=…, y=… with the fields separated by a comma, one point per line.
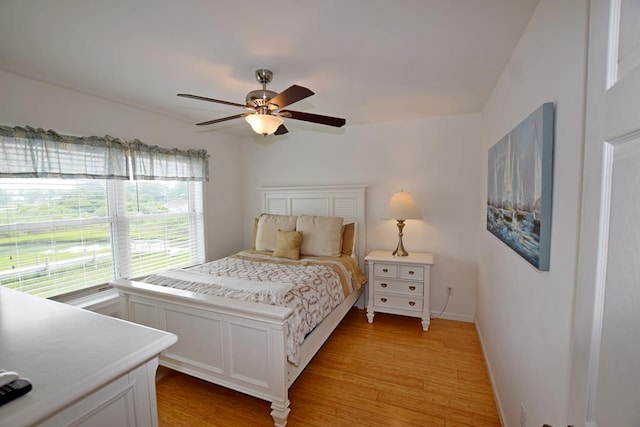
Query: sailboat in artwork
x=495, y=203
x=507, y=184
x=519, y=208
x=537, y=183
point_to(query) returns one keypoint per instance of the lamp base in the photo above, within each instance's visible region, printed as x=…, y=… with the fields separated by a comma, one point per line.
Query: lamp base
x=400, y=251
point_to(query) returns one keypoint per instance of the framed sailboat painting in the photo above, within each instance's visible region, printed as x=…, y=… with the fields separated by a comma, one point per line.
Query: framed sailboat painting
x=520, y=185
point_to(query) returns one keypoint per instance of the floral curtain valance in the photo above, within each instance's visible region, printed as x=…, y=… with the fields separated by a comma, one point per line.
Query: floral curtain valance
x=36, y=153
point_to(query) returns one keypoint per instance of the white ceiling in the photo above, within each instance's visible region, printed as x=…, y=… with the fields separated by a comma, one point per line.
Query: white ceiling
x=366, y=60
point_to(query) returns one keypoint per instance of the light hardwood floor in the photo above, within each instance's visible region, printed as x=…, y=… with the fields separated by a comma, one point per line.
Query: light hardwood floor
x=389, y=373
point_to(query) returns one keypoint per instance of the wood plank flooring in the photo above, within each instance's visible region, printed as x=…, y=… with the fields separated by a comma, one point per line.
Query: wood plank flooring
x=389, y=373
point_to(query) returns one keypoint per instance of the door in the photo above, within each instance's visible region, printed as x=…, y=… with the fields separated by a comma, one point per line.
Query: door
x=606, y=344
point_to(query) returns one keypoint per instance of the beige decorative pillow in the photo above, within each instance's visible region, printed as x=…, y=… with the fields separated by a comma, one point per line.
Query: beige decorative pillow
x=348, y=238
x=288, y=244
x=322, y=235
x=268, y=226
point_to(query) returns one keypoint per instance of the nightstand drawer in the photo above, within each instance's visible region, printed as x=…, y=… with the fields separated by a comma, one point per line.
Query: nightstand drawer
x=397, y=287
x=385, y=270
x=411, y=272
x=400, y=302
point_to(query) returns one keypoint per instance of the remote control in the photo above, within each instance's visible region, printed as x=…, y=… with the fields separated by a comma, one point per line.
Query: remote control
x=8, y=376
x=14, y=389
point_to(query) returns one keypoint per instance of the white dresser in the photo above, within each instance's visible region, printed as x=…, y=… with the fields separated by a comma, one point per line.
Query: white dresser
x=86, y=369
x=399, y=285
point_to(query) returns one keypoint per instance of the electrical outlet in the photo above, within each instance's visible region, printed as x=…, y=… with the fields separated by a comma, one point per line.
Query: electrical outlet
x=523, y=416
x=449, y=290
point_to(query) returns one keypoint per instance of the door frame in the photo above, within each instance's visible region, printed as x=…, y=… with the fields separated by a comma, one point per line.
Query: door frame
x=594, y=223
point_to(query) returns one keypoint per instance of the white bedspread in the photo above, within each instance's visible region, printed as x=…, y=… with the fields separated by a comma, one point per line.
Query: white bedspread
x=231, y=287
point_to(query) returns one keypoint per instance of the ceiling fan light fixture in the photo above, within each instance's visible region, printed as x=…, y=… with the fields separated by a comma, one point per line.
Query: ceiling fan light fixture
x=265, y=108
x=264, y=124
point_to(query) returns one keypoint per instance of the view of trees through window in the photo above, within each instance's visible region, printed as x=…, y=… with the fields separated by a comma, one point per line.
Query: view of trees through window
x=58, y=236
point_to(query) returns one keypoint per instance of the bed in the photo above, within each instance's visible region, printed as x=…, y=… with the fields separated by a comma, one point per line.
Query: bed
x=242, y=344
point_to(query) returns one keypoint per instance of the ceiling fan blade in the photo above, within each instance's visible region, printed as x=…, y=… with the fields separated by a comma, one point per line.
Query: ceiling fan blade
x=290, y=95
x=202, y=98
x=224, y=119
x=315, y=118
x=281, y=130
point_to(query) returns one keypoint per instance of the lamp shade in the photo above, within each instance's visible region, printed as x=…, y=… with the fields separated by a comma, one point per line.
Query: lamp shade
x=265, y=124
x=402, y=206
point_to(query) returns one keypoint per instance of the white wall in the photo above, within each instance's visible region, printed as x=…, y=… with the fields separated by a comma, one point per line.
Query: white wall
x=435, y=159
x=523, y=315
x=25, y=102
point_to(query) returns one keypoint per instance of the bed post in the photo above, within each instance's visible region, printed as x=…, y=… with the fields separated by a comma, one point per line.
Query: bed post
x=280, y=407
x=280, y=413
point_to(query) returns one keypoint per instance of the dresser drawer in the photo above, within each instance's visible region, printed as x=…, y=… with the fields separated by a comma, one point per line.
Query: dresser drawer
x=398, y=287
x=411, y=272
x=399, y=302
x=385, y=270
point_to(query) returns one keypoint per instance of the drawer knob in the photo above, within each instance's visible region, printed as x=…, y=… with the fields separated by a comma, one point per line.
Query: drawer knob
x=383, y=299
x=383, y=285
x=385, y=270
x=411, y=272
x=412, y=288
x=411, y=303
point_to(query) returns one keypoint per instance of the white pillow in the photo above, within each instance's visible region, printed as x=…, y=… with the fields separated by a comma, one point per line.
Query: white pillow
x=268, y=226
x=322, y=235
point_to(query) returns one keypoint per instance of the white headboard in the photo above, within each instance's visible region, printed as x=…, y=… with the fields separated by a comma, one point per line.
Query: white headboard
x=347, y=201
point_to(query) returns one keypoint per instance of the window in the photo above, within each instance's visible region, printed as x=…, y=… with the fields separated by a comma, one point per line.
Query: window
x=59, y=236
x=62, y=235
x=165, y=226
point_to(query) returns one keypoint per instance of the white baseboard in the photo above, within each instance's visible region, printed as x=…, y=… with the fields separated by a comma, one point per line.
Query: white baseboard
x=455, y=316
x=496, y=396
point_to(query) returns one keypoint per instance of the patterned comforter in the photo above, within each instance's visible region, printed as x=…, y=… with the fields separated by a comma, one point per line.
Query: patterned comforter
x=312, y=286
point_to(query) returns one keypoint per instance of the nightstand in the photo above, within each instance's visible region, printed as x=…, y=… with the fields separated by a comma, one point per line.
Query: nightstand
x=399, y=285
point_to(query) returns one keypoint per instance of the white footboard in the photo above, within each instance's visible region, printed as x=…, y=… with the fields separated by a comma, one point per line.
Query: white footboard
x=236, y=344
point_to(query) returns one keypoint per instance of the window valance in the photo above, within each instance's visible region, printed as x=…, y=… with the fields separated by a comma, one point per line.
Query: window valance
x=36, y=153
x=152, y=162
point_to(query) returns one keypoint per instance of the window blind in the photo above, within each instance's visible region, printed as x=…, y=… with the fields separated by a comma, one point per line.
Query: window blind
x=165, y=222
x=54, y=235
x=59, y=236
x=62, y=235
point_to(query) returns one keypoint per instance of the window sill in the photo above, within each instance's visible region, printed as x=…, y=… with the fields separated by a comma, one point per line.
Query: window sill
x=105, y=302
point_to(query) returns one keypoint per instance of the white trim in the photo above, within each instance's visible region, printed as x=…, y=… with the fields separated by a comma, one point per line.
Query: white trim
x=456, y=316
x=614, y=41
x=105, y=302
x=601, y=277
x=494, y=387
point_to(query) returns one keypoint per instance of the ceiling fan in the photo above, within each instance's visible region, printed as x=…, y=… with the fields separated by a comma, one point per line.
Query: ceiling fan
x=265, y=113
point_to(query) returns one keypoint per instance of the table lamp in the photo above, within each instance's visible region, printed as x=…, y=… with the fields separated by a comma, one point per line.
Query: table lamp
x=401, y=207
